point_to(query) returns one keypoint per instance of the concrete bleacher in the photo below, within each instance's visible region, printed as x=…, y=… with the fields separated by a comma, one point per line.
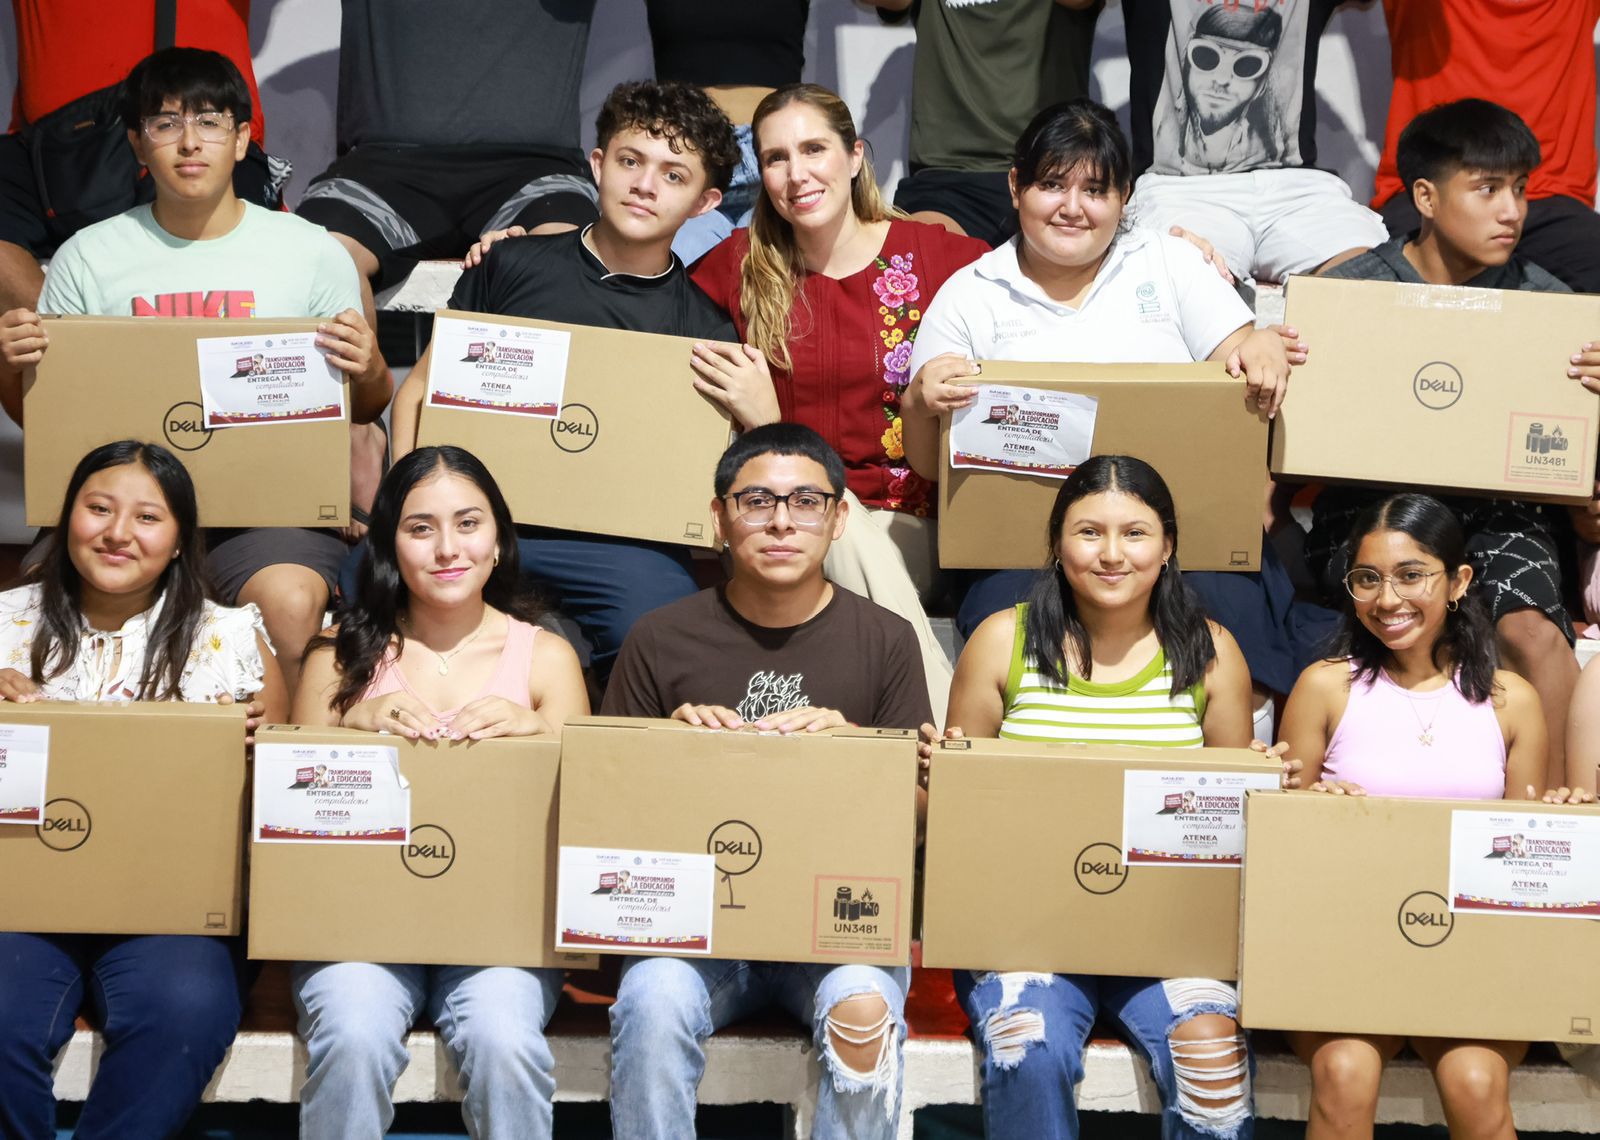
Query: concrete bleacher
x=772, y=1062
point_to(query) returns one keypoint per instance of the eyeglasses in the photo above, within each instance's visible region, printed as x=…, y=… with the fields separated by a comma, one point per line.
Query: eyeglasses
x=807, y=509
x=1246, y=63
x=211, y=126
x=1365, y=585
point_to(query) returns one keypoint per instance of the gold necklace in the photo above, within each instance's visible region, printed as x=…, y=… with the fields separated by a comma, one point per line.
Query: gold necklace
x=444, y=658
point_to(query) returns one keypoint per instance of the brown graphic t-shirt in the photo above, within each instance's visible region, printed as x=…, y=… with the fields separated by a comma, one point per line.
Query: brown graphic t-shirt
x=854, y=656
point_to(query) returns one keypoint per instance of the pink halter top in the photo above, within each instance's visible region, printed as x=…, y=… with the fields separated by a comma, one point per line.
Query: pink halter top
x=510, y=679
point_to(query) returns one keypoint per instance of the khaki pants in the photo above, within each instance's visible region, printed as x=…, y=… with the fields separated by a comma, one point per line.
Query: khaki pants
x=888, y=557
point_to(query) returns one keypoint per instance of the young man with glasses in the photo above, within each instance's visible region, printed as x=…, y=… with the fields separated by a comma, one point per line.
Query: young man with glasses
x=1466, y=166
x=777, y=649
x=198, y=250
x=1224, y=127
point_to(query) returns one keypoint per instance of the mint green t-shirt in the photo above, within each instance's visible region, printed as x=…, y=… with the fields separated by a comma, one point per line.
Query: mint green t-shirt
x=271, y=264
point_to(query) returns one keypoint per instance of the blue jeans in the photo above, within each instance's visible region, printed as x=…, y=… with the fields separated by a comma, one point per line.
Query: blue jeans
x=354, y=1017
x=605, y=584
x=667, y=1007
x=167, y=1005
x=1033, y=1028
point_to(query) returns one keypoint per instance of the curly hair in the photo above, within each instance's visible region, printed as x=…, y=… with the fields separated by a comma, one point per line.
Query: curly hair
x=681, y=113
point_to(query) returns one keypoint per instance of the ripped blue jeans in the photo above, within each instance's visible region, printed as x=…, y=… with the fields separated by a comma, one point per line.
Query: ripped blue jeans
x=1032, y=1029
x=667, y=1007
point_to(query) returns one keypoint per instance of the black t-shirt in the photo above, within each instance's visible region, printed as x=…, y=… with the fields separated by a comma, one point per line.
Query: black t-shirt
x=1223, y=89
x=752, y=43
x=854, y=656
x=468, y=72
x=554, y=277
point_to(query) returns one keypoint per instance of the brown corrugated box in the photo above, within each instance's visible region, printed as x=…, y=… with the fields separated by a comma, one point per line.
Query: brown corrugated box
x=1023, y=868
x=144, y=826
x=111, y=378
x=631, y=454
x=802, y=816
x=1188, y=421
x=1440, y=386
x=475, y=886
x=1347, y=929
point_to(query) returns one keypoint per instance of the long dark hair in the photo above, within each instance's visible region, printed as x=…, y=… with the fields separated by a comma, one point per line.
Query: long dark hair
x=1466, y=643
x=371, y=619
x=183, y=583
x=1179, y=620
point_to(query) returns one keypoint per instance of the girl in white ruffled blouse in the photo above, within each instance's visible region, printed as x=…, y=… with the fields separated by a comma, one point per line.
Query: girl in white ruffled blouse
x=117, y=610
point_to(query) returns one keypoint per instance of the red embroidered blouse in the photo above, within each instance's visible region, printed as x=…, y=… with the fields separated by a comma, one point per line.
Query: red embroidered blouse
x=850, y=339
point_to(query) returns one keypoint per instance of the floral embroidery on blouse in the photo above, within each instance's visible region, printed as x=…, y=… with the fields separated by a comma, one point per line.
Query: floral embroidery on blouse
x=898, y=290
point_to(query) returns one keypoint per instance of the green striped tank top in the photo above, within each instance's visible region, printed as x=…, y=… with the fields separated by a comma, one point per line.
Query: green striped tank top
x=1139, y=711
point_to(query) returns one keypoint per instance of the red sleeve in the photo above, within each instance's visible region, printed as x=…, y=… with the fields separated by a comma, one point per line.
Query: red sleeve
x=717, y=273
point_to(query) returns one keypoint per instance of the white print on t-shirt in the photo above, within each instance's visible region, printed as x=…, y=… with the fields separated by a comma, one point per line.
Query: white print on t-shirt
x=769, y=693
x=1232, y=87
x=968, y=3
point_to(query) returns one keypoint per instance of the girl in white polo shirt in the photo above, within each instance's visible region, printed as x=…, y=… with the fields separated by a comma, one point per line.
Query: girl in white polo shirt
x=1081, y=283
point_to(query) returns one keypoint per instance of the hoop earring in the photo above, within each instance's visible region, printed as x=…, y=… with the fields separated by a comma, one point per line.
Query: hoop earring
x=1452, y=605
x=1060, y=571
x=497, y=556
x=1164, y=562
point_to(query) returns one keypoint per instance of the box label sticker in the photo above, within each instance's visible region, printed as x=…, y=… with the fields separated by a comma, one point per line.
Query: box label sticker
x=856, y=916
x=24, y=768
x=1186, y=819
x=653, y=901
x=322, y=793
x=1547, y=452
x=509, y=370
x=257, y=381
x=1027, y=431
x=1530, y=864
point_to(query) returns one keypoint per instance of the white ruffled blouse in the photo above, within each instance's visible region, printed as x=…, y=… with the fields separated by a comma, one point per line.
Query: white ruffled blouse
x=225, y=657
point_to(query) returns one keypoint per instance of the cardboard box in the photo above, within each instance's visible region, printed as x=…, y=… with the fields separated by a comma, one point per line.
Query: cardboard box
x=1188, y=421
x=1347, y=929
x=1024, y=865
x=631, y=453
x=792, y=820
x=111, y=378
x=144, y=827
x=1435, y=386
x=474, y=885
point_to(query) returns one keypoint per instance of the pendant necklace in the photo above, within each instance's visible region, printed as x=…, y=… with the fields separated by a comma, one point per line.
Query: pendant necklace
x=1425, y=737
x=444, y=658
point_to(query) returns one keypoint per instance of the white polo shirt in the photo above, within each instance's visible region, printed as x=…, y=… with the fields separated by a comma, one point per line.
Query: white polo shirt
x=1154, y=301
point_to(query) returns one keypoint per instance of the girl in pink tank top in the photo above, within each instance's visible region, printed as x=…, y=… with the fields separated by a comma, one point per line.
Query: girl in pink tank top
x=1412, y=705
x=435, y=645
x=437, y=642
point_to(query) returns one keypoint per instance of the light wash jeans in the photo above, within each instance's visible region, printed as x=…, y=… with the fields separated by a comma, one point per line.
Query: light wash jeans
x=667, y=1007
x=354, y=1017
x=1033, y=1029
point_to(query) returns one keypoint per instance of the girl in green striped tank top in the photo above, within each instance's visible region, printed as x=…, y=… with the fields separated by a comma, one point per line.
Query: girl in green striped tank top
x=1111, y=648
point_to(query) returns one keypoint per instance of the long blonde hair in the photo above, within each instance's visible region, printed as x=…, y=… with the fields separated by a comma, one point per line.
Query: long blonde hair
x=773, y=267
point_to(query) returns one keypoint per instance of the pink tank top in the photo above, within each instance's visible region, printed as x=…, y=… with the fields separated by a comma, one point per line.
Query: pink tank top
x=1377, y=743
x=510, y=678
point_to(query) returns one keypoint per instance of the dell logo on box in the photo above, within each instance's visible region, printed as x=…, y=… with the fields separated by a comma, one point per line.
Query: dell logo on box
x=576, y=428
x=1437, y=385
x=184, y=425
x=1425, y=919
x=429, y=852
x=66, y=825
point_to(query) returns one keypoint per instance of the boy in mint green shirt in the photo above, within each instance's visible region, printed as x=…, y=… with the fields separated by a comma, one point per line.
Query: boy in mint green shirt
x=200, y=251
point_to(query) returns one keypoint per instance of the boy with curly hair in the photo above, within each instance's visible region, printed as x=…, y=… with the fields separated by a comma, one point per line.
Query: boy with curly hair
x=664, y=153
